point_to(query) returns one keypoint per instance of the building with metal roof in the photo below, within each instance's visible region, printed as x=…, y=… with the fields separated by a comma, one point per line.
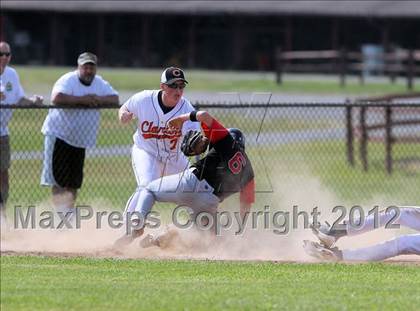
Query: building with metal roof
x=208, y=34
x=391, y=9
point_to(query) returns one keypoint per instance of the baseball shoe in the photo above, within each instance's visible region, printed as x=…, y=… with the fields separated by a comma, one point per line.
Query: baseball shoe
x=328, y=235
x=321, y=252
x=127, y=239
x=149, y=241
x=163, y=240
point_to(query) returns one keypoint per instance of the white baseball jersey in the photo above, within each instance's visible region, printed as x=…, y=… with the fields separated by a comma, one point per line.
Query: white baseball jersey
x=153, y=134
x=11, y=93
x=77, y=127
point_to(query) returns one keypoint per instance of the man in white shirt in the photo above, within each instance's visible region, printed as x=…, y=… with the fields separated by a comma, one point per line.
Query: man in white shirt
x=11, y=93
x=68, y=132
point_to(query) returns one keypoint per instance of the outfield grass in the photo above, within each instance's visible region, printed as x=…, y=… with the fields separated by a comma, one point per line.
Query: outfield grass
x=327, y=161
x=35, y=283
x=25, y=126
x=108, y=181
x=41, y=79
x=25, y=130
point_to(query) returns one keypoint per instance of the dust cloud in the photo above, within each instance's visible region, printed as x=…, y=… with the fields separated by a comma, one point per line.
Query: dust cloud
x=267, y=239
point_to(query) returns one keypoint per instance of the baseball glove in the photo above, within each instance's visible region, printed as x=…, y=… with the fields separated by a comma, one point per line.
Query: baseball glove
x=194, y=143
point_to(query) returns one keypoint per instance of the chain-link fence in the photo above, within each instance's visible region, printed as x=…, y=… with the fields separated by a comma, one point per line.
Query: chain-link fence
x=346, y=152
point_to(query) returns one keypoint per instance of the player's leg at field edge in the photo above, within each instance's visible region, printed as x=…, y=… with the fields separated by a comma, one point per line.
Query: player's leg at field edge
x=403, y=245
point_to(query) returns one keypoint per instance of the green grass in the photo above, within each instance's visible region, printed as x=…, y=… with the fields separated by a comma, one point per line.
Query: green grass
x=108, y=181
x=41, y=79
x=25, y=126
x=25, y=130
x=39, y=283
x=327, y=162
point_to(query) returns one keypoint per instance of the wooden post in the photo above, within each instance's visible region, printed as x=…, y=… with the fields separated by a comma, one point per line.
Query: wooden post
x=393, y=75
x=191, y=43
x=386, y=49
x=3, y=23
x=335, y=42
x=279, y=65
x=349, y=123
x=335, y=34
x=343, y=67
x=385, y=37
x=83, y=41
x=361, y=77
x=238, y=32
x=288, y=38
x=388, y=139
x=145, y=30
x=359, y=61
x=410, y=69
x=54, y=42
x=392, y=63
x=364, y=138
x=100, y=39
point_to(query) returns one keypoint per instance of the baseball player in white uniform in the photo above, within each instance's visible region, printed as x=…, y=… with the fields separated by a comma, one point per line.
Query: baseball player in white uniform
x=11, y=93
x=409, y=244
x=156, y=151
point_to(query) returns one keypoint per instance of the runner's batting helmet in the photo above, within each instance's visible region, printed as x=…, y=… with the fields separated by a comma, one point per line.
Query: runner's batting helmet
x=237, y=136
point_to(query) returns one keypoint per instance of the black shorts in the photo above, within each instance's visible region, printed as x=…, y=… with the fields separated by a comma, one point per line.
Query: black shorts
x=67, y=164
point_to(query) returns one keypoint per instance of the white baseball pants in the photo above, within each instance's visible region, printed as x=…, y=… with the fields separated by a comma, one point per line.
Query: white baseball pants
x=184, y=189
x=148, y=167
x=403, y=245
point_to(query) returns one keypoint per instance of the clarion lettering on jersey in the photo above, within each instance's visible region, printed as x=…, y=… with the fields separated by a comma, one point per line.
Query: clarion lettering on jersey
x=149, y=130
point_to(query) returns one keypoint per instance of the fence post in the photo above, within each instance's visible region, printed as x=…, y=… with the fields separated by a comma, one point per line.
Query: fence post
x=388, y=138
x=361, y=77
x=410, y=69
x=392, y=64
x=279, y=65
x=343, y=66
x=349, y=123
x=364, y=138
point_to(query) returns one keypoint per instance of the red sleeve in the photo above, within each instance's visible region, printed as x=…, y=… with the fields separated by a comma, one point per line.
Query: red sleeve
x=216, y=132
x=248, y=192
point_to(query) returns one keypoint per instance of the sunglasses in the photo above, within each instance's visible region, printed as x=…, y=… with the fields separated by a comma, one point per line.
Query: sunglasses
x=5, y=54
x=175, y=86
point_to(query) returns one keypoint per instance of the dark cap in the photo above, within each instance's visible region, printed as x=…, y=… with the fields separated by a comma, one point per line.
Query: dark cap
x=87, y=57
x=172, y=74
